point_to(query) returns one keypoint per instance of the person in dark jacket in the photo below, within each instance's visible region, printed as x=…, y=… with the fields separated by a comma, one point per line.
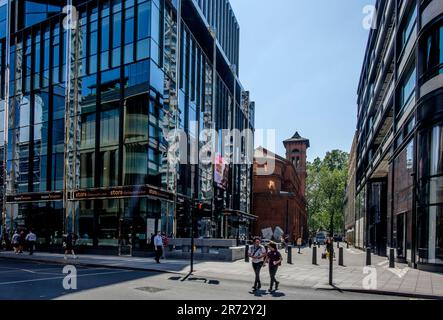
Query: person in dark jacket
x=69, y=244
x=274, y=260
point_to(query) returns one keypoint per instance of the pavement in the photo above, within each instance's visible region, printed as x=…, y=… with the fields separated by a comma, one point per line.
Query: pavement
x=32, y=280
x=354, y=276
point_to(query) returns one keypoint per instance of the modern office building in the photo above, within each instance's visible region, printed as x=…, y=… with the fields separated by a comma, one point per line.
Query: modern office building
x=350, y=217
x=399, y=140
x=98, y=99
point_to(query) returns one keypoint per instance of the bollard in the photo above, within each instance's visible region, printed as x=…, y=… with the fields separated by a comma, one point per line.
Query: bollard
x=289, y=254
x=340, y=257
x=314, y=255
x=247, y=253
x=338, y=244
x=368, y=256
x=391, y=258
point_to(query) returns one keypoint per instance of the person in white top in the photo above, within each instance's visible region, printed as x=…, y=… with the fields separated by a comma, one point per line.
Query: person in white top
x=158, y=246
x=31, y=238
x=257, y=253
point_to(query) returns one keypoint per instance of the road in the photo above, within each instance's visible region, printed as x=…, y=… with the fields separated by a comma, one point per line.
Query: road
x=22, y=280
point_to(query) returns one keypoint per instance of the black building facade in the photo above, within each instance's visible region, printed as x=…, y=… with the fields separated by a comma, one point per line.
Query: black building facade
x=398, y=200
x=99, y=99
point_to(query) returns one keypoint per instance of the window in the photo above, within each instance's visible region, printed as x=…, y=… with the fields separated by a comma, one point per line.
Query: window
x=109, y=127
x=432, y=47
x=143, y=20
x=408, y=28
x=407, y=88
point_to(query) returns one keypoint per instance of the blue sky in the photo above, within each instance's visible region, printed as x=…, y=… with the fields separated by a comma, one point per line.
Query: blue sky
x=301, y=60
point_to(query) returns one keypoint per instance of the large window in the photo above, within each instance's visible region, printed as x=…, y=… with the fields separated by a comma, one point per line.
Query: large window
x=407, y=88
x=430, y=215
x=432, y=46
x=409, y=27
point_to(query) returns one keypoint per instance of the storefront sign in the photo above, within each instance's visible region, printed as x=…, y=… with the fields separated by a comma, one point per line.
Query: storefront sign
x=33, y=197
x=123, y=192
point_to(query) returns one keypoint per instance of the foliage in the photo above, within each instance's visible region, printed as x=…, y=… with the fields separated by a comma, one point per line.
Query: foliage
x=325, y=189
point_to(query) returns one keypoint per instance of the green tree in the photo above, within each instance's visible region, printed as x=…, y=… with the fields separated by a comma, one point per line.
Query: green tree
x=325, y=189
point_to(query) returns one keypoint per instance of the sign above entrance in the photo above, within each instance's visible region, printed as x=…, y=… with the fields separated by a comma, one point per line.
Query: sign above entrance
x=123, y=192
x=33, y=197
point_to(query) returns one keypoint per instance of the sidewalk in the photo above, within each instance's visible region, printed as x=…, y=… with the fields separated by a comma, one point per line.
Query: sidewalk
x=132, y=263
x=354, y=276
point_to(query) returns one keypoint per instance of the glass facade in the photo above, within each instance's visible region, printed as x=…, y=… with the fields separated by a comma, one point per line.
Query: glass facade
x=399, y=135
x=430, y=218
x=92, y=115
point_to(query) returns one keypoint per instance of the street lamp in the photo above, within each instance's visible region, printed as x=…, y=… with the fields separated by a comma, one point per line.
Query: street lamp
x=331, y=248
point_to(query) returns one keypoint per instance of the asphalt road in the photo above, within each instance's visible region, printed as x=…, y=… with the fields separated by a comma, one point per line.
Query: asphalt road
x=22, y=280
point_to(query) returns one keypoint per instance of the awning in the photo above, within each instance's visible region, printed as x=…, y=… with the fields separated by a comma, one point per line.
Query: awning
x=242, y=214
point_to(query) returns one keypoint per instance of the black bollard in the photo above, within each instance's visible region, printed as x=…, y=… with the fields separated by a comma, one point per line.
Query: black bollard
x=368, y=256
x=338, y=244
x=289, y=254
x=314, y=255
x=340, y=257
x=247, y=253
x=391, y=258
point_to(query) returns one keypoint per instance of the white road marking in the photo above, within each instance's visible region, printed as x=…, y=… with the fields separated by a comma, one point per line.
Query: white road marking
x=62, y=277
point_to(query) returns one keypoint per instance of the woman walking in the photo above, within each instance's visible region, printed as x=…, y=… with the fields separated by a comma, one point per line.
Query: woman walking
x=274, y=260
x=257, y=253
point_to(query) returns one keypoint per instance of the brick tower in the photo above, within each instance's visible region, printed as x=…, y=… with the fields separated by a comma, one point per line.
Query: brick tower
x=296, y=148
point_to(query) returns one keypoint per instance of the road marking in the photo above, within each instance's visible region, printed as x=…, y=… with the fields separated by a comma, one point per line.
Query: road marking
x=382, y=263
x=399, y=272
x=62, y=277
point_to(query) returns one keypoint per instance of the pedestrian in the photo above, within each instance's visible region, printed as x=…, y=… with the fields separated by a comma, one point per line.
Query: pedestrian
x=31, y=238
x=165, y=241
x=16, y=241
x=69, y=245
x=310, y=242
x=22, y=242
x=158, y=246
x=329, y=247
x=299, y=244
x=274, y=260
x=257, y=253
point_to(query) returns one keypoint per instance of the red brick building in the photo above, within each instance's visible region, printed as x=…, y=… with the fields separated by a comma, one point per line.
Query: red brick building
x=279, y=189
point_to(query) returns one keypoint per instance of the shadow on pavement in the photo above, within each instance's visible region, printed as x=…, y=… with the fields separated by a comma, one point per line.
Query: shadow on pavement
x=29, y=280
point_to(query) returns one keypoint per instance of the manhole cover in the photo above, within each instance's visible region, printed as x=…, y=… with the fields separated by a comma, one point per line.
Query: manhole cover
x=150, y=289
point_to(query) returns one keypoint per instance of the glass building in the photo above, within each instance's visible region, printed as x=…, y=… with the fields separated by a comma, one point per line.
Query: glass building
x=399, y=170
x=98, y=99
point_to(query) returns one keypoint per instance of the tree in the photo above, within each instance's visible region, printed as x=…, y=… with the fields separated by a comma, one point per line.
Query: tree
x=325, y=190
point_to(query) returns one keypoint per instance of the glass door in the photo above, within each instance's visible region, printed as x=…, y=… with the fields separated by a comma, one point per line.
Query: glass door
x=401, y=236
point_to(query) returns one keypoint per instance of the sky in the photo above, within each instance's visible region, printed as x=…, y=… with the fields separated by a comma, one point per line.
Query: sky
x=301, y=60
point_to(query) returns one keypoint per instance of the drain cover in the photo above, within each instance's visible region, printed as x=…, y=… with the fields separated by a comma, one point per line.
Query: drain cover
x=150, y=289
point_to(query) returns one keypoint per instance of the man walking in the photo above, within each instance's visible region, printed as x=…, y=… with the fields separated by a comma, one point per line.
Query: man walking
x=257, y=253
x=31, y=238
x=158, y=246
x=299, y=244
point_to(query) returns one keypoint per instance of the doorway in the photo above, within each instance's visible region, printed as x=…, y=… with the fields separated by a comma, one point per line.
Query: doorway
x=401, y=236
